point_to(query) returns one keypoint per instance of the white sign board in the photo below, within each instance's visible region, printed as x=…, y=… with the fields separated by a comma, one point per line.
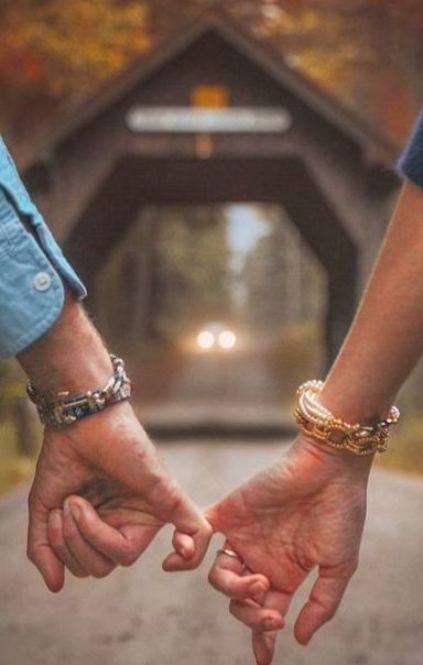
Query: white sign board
x=204, y=121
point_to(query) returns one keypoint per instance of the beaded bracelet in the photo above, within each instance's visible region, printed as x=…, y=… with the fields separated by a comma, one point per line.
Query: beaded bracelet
x=317, y=421
x=61, y=409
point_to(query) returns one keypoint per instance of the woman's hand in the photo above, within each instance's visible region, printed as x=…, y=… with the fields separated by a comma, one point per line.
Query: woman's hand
x=307, y=511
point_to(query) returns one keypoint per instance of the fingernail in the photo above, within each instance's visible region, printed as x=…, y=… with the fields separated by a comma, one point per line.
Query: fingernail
x=75, y=512
x=271, y=624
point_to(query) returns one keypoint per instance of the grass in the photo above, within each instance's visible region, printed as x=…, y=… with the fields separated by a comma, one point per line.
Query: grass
x=296, y=356
x=405, y=452
x=14, y=469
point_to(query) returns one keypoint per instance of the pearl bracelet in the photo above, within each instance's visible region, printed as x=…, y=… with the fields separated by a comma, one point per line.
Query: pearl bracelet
x=317, y=421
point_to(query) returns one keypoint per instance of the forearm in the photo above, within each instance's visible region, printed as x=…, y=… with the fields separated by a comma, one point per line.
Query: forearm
x=386, y=339
x=70, y=355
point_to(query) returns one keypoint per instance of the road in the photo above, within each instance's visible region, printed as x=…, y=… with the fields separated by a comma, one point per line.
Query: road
x=221, y=391
x=140, y=616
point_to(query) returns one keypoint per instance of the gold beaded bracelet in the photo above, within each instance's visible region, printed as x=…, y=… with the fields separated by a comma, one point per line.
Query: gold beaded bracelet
x=317, y=421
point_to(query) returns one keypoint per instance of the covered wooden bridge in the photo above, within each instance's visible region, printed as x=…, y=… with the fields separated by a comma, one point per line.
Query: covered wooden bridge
x=213, y=116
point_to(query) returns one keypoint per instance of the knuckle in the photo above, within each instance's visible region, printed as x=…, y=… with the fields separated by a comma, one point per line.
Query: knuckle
x=327, y=612
x=128, y=556
x=174, y=498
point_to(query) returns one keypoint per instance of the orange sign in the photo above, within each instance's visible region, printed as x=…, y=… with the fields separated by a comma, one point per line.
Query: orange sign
x=210, y=96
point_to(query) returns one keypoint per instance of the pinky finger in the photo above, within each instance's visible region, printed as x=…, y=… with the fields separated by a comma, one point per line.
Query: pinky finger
x=258, y=618
x=183, y=544
x=264, y=646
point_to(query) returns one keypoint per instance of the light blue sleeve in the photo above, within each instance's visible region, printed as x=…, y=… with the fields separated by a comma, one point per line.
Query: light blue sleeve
x=410, y=163
x=33, y=270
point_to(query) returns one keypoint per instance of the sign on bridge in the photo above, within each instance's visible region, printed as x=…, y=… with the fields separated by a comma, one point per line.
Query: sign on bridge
x=200, y=120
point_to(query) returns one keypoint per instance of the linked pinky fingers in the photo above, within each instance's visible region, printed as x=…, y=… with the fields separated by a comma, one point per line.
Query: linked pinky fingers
x=183, y=544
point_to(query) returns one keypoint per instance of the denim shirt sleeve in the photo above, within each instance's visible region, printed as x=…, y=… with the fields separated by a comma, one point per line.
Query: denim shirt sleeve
x=33, y=268
x=410, y=163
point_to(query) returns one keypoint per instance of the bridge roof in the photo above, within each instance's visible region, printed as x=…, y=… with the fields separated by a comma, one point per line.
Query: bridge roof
x=376, y=146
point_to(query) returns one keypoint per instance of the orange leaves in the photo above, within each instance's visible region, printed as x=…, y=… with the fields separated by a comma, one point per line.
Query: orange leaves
x=70, y=44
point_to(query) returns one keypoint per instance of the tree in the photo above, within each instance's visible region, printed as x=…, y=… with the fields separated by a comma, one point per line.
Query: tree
x=285, y=284
x=58, y=51
x=168, y=275
x=55, y=54
x=193, y=264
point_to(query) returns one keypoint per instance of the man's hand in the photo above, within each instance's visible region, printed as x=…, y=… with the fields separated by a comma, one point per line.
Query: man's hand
x=124, y=497
x=107, y=460
x=305, y=512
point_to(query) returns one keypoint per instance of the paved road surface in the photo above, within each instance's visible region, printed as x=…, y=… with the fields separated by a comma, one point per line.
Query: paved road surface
x=226, y=389
x=140, y=616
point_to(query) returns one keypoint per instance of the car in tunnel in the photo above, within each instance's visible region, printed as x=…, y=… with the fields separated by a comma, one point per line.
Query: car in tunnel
x=216, y=336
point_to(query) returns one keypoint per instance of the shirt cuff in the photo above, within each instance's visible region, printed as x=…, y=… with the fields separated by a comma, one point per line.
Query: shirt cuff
x=31, y=290
x=410, y=163
x=33, y=267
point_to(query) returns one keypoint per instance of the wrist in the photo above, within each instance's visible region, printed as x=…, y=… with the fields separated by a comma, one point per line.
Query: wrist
x=341, y=463
x=70, y=356
x=352, y=406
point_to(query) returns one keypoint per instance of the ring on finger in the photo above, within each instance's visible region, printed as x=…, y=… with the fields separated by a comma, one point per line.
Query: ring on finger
x=229, y=552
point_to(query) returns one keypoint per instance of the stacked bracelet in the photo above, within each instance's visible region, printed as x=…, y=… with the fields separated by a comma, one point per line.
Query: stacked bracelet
x=61, y=409
x=317, y=421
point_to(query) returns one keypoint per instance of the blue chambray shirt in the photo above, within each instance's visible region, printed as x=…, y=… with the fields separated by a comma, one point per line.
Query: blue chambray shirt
x=33, y=270
x=410, y=164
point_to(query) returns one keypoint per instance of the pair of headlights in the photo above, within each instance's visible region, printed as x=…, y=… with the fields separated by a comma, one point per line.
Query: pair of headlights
x=207, y=339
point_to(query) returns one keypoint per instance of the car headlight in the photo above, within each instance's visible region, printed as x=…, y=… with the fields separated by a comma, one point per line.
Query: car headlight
x=227, y=339
x=205, y=339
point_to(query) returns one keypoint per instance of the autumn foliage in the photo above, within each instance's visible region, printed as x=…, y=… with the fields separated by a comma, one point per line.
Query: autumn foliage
x=55, y=53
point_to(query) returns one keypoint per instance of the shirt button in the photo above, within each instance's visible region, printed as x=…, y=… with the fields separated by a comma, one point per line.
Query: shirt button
x=42, y=281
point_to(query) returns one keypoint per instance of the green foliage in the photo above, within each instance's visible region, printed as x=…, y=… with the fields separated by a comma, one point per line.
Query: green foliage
x=178, y=275
x=284, y=281
x=15, y=464
x=12, y=385
x=297, y=356
x=193, y=268
x=64, y=46
x=55, y=53
x=405, y=452
x=13, y=471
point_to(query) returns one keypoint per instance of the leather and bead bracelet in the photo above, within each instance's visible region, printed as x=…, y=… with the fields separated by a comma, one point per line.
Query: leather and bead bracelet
x=318, y=422
x=61, y=409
